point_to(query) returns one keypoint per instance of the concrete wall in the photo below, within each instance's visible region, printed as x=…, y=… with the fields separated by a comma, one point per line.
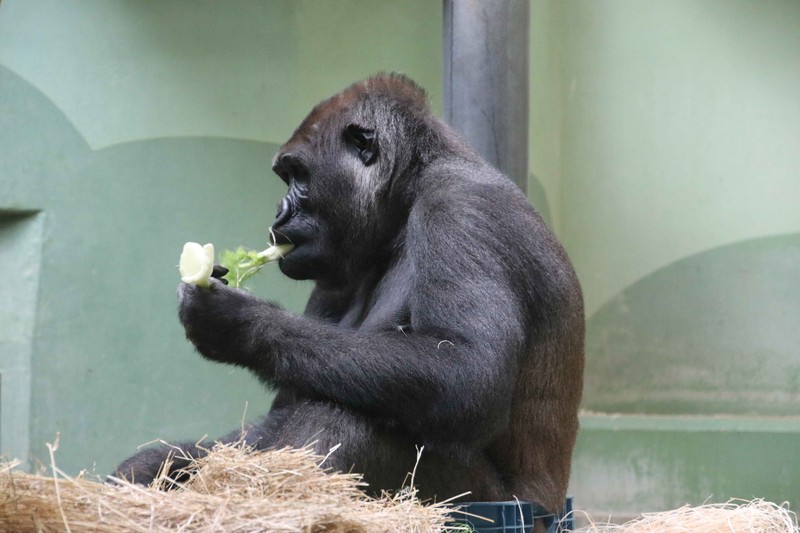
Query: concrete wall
x=667, y=136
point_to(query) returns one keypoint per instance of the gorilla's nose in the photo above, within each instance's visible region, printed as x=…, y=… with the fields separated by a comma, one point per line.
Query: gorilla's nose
x=284, y=212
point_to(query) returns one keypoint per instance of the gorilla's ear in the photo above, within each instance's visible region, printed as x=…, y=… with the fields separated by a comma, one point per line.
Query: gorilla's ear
x=363, y=141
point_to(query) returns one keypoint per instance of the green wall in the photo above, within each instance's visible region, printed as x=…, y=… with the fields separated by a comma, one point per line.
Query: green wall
x=665, y=152
x=667, y=136
x=126, y=129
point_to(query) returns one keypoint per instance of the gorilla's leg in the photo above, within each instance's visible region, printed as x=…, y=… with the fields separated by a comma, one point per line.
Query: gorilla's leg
x=384, y=456
x=145, y=466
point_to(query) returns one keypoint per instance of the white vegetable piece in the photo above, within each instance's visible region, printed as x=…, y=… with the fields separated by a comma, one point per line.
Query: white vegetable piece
x=196, y=264
x=275, y=252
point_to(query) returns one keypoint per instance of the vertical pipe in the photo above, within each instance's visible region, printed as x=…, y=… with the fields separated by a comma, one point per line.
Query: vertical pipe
x=486, y=79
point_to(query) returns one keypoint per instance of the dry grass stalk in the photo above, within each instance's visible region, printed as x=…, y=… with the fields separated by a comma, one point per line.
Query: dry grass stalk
x=735, y=516
x=235, y=489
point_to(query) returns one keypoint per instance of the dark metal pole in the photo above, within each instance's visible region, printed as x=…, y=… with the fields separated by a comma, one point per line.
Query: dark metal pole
x=486, y=79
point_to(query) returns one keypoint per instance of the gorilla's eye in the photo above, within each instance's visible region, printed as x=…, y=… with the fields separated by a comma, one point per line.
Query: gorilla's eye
x=363, y=141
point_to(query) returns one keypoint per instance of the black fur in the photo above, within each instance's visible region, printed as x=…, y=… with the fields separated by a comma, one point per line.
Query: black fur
x=445, y=312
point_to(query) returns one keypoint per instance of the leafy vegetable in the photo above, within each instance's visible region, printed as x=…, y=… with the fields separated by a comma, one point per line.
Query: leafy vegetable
x=196, y=263
x=243, y=263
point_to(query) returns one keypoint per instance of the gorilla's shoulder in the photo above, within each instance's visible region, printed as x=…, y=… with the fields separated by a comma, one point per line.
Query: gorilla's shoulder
x=471, y=189
x=473, y=209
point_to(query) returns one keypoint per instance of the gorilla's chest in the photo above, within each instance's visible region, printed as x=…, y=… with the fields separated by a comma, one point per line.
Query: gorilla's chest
x=382, y=304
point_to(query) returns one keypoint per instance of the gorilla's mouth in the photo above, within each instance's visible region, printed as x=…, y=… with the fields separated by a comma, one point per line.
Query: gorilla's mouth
x=278, y=237
x=289, y=249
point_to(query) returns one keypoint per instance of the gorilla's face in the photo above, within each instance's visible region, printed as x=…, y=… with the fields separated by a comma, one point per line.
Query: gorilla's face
x=296, y=222
x=330, y=207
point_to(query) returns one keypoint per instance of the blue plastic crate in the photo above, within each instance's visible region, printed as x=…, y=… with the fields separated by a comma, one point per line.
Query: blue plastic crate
x=513, y=517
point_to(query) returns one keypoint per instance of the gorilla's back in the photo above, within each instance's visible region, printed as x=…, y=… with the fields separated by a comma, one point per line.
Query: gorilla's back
x=535, y=451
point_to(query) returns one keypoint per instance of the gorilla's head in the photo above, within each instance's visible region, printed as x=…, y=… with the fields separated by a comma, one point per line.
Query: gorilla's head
x=348, y=170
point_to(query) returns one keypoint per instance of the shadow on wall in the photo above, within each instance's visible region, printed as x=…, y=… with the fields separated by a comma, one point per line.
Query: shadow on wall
x=714, y=333
x=538, y=197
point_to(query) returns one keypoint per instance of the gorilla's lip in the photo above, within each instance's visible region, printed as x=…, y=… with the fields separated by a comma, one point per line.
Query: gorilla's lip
x=278, y=237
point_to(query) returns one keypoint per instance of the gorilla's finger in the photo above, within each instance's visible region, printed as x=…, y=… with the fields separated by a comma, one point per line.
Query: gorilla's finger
x=219, y=271
x=216, y=283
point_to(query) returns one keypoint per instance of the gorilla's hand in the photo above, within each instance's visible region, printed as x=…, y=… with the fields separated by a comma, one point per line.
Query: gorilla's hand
x=216, y=318
x=218, y=271
x=143, y=467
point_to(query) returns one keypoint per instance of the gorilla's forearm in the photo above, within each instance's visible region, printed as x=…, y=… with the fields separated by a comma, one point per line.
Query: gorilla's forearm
x=423, y=381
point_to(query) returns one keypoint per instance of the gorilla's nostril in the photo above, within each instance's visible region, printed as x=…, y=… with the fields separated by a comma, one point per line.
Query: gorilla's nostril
x=284, y=212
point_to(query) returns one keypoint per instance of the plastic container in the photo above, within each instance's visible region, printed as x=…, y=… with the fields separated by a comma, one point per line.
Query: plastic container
x=513, y=517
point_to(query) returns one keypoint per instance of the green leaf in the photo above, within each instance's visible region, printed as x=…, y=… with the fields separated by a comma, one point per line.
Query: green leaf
x=242, y=264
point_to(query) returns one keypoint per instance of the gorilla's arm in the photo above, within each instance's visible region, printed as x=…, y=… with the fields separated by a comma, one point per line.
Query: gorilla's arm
x=432, y=380
x=456, y=371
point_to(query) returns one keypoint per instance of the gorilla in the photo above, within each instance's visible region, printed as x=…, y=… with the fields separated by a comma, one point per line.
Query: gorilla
x=445, y=313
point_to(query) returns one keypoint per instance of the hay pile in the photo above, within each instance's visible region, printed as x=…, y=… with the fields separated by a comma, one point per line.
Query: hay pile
x=238, y=489
x=235, y=489
x=735, y=516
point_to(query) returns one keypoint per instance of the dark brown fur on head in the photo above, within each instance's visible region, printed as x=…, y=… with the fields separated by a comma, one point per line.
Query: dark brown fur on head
x=392, y=87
